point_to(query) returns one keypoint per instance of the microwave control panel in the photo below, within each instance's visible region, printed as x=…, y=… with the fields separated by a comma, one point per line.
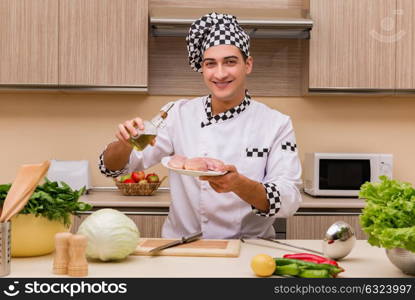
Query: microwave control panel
x=385, y=165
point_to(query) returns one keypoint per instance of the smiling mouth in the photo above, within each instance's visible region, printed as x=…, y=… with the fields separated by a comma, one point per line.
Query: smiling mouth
x=222, y=84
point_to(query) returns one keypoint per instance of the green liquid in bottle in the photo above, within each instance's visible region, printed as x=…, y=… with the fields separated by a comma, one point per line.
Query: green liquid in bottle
x=142, y=141
x=147, y=135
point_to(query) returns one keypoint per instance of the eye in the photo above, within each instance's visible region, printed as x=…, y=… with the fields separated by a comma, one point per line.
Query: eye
x=209, y=64
x=231, y=62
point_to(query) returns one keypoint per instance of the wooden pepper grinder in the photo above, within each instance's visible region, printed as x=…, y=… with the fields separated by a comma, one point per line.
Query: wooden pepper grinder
x=61, y=258
x=78, y=265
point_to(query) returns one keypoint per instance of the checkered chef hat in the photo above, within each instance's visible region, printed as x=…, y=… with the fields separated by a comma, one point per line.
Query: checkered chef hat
x=211, y=30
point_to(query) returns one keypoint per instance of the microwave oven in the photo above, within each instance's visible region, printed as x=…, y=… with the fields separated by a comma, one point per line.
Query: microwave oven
x=342, y=174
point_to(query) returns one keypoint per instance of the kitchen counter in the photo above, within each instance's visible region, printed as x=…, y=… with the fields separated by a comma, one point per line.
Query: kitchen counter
x=363, y=261
x=161, y=199
x=114, y=198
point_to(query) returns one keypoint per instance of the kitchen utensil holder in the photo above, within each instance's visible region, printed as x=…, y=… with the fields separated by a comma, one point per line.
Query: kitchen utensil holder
x=5, y=249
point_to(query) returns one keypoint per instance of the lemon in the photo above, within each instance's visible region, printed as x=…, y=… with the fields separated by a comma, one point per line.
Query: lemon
x=263, y=265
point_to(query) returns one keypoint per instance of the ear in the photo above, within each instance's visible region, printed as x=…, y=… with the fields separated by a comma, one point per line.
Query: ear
x=249, y=64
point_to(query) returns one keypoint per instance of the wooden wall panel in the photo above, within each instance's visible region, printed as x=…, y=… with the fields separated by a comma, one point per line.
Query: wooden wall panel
x=314, y=227
x=278, y=68
x=149, y=225
x=277, y=4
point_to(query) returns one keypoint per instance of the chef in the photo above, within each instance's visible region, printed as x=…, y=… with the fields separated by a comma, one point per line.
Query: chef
x=256, y=143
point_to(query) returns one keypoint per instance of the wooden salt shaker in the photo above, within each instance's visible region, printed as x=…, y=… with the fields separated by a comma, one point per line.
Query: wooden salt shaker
x=61, y=258
x=78, y=265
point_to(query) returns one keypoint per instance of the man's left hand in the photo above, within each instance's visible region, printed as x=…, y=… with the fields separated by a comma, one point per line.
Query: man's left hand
x=224, y=183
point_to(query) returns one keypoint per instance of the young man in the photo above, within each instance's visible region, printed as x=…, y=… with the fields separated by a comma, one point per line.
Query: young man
x=256, y=143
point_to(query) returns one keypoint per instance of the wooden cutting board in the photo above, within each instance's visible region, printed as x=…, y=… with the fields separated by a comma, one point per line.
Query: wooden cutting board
x=22, y=188
x=218, y=248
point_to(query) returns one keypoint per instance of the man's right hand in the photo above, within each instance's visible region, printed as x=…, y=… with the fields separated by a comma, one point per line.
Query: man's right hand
x=117, y=154
x=128, y=129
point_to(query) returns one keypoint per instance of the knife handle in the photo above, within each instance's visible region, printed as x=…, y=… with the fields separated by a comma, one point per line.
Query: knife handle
x=192, y=237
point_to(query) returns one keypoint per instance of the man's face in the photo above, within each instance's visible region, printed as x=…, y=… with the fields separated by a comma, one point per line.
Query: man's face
x=224, y=72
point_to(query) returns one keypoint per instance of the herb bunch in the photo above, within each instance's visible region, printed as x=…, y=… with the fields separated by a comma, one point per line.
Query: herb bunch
x=52, y=201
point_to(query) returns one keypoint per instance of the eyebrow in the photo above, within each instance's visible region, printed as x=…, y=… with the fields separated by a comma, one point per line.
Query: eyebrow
x=232, y=56
x=226, y=57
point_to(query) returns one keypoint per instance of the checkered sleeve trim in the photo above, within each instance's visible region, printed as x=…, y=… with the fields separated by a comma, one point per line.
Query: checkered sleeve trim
x=107, y=172
x=289, y=146
x=257, y=152
x=273, y=196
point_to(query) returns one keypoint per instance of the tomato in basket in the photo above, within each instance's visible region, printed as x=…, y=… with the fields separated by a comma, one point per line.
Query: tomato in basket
x=128, y=180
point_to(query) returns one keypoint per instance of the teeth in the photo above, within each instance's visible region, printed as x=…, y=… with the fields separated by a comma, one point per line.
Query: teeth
x=222, y=83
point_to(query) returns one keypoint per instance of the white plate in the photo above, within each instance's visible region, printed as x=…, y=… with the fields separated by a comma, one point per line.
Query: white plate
x=165, y=161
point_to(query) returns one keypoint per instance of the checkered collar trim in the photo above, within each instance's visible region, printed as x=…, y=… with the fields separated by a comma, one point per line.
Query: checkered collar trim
x=226, y=115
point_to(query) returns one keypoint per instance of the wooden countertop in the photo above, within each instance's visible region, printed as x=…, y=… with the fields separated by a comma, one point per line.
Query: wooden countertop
x=364, y=261
x=161, y=199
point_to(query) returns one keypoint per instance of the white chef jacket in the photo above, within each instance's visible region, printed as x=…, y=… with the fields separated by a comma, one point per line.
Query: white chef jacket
x=257, y=140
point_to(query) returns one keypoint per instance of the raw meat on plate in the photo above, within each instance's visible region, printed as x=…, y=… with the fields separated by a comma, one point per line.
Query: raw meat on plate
x=196, y=164
x=214, y=164
x=177, y=161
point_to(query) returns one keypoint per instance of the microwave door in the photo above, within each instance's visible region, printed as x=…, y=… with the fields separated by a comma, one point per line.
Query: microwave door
x=343, y=177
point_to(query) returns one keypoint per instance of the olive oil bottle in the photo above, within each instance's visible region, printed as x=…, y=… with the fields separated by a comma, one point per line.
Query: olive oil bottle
x=146, y=136
x=142, y=141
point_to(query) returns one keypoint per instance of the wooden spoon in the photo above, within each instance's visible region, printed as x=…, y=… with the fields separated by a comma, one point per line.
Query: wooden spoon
x=22, y=188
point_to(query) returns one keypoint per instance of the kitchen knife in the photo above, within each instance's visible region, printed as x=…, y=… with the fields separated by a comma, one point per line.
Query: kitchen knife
x=289, y=245
x=183, y=240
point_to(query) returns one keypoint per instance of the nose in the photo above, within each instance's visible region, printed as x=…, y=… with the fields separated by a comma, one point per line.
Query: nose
x=221, y=72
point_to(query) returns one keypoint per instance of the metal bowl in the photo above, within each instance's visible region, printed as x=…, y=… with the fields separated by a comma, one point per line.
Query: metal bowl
x=339, y=240
x=403, y=259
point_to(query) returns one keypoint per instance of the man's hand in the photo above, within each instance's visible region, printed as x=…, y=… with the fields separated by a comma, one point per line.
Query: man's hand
x=250, y=191
x=128, y=129
x=229, y=182
x=117, y=154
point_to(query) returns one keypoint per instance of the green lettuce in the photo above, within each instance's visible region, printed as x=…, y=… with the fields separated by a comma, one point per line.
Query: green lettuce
x=389, y=215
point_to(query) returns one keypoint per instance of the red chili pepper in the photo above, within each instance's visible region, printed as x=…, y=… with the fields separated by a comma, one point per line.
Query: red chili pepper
x=311, y=258
x=304, y=259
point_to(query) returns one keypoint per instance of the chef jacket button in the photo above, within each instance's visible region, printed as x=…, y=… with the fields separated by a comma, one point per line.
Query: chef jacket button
x=205, y=154
x=205, y=220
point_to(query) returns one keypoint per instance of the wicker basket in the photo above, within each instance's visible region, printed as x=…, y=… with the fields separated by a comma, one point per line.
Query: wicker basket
x=136, y=189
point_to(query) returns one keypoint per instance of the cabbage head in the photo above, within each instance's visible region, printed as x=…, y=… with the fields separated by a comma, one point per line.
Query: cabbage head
x=111, y=235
